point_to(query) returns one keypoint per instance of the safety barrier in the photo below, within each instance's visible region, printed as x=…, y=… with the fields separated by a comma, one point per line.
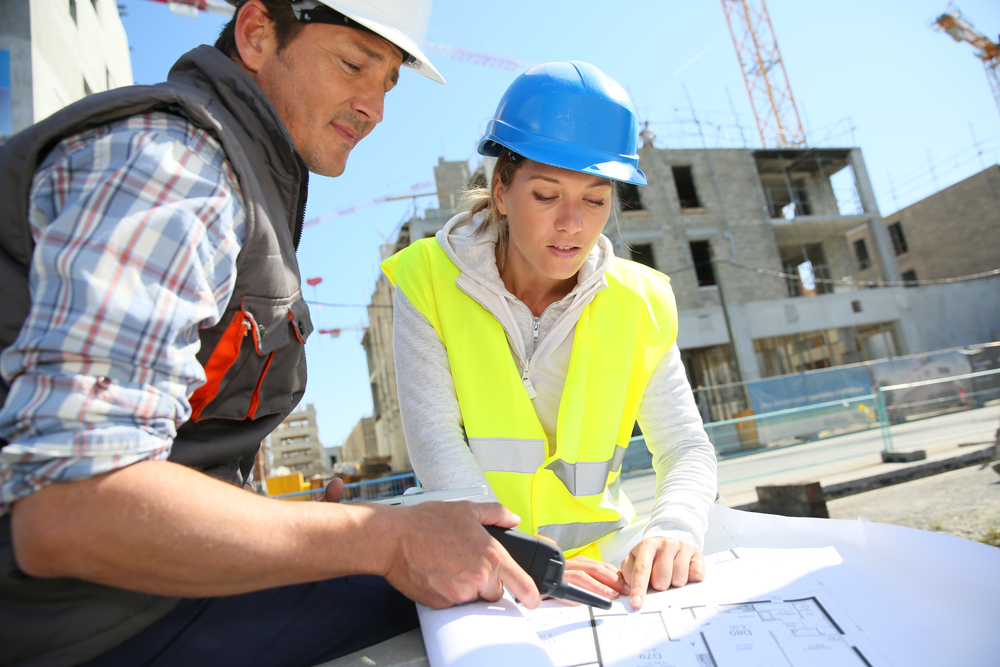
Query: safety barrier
x=367, y=490
x=901, y=416
x=947, y=409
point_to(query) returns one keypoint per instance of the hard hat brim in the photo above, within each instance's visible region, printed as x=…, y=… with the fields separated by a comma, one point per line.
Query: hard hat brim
x=560, y=154
x=420, y=64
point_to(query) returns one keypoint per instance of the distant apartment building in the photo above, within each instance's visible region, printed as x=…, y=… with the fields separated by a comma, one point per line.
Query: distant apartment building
x=736, y=230
x=295, y=444
x=361, y=443
x=451, y=179
x=951, y=234
x=55, y=52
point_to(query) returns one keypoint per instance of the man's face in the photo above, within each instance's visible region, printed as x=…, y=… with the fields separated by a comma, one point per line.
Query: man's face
x=328, y=85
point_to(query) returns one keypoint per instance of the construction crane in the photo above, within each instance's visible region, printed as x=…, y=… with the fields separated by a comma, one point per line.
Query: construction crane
x=764, y=74
x=194, y=7
x=335, y=333
x=409, y=193
x=961, y=30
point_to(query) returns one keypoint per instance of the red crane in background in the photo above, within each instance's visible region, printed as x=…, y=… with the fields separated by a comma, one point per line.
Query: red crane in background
x=960, y=29
x=335, y=333
x=764, y=73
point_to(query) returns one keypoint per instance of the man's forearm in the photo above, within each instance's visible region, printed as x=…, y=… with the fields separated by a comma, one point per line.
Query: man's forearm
x=161, y=528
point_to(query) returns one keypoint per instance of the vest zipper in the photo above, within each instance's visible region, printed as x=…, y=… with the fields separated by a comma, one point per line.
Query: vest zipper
x=527, y=383
x=303, y=195
x=534, y=331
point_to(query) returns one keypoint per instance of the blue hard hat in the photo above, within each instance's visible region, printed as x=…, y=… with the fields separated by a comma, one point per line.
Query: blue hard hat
x=570, y=115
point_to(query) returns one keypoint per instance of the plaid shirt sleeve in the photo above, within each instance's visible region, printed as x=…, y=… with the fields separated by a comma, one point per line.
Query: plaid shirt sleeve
x=137, y=225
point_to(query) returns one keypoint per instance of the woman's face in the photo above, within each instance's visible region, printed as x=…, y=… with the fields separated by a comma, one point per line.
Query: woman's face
x=555, y=217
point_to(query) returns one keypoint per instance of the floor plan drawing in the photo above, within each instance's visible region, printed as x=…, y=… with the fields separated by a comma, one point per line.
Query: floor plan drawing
x=779, y=592
x=776, y=633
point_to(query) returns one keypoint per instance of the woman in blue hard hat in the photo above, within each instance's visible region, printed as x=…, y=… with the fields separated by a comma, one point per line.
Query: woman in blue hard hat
x=525, y=351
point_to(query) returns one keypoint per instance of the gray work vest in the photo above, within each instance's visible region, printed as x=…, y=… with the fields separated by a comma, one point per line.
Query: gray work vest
x=67, y=621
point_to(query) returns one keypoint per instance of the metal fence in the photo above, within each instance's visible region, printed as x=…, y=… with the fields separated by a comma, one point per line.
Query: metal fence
x=958, y=400
x=369, y=489
x=902, y=416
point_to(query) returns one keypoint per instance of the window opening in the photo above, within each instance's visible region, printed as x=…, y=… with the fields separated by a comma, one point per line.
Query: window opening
x=643, y=254
x=628, y=195
x=861, y=252
x=898, y=238
x=701, y=254
x=686, y=192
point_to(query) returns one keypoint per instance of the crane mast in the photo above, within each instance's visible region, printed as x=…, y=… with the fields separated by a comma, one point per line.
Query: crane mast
x=764, y=74
x=961, y=30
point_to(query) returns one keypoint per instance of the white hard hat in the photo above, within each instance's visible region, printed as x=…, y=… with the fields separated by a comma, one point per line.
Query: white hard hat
x=401, y=22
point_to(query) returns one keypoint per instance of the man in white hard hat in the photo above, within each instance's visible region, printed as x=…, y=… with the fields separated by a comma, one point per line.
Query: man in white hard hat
x=153, y=334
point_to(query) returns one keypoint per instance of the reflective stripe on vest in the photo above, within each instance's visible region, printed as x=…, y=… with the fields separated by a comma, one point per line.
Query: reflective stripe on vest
x=508, y=454
x=571, y=494
x=587, y=478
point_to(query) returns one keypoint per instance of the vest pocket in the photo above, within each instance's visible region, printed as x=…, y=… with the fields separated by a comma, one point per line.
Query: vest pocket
x=257, y=367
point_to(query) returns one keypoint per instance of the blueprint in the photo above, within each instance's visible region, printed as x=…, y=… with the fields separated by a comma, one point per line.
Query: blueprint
x=777, y=631
x=779, y=591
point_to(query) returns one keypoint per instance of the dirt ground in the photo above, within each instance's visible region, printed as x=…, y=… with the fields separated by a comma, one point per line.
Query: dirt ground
x=964, y=503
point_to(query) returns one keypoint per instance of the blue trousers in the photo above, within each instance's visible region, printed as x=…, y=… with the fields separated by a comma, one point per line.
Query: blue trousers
x=293, y=626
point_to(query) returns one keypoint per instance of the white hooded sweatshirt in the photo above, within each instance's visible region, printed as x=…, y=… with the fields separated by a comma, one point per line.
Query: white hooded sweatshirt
x=683, y=457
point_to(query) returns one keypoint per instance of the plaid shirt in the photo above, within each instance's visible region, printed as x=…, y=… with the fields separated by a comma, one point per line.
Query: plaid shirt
x=137, y=225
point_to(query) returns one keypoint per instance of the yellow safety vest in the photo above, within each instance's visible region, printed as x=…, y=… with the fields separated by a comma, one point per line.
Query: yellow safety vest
x=572, y=495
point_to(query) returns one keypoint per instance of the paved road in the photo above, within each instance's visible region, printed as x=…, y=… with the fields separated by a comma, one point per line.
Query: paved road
x=964, y=503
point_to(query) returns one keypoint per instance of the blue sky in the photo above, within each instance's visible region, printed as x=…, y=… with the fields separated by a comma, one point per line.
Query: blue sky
x=871, y=74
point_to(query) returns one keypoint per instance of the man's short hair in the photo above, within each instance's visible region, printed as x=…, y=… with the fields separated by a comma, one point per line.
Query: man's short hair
x=286, y=26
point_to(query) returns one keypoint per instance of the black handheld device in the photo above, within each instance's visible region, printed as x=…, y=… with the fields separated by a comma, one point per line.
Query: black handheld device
x=544, y=562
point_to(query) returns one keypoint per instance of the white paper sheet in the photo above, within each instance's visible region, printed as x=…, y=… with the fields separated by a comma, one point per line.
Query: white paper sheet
x=480, y=634
x=822, y=593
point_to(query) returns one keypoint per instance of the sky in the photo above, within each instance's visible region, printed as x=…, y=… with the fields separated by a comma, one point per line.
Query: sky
x=871, y=74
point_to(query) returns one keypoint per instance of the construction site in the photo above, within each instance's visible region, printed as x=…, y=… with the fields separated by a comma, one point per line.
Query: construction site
x=836, y=299
x=780, y=258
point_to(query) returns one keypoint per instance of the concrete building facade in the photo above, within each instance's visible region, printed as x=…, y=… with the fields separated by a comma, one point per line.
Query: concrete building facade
x=55, y=53
x=950, y=234
x=295, y=444
x=361, y=443
x=451, y=179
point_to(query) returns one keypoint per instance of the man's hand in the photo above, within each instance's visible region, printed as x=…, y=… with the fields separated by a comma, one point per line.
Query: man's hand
x=660, y=563
x=443, y=556
x=601, y=578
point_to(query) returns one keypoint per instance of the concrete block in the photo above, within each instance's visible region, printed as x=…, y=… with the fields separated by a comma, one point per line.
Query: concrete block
x=804, y=499
x=904, y=457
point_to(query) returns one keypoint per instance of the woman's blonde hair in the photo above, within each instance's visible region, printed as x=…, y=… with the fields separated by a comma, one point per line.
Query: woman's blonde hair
x=481, y=199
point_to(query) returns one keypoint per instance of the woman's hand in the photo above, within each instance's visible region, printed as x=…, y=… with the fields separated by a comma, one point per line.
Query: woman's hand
x=661, y=562
x=603, y=579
